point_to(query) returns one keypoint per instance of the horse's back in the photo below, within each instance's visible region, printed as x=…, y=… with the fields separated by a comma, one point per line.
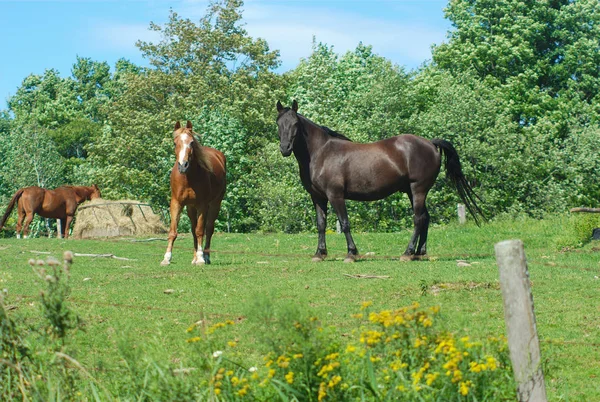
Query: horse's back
x=375, y=170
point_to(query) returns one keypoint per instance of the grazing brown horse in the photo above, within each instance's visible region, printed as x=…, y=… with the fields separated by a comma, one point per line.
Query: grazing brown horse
x=334, y=169
x=198, y=183
x=59, y=203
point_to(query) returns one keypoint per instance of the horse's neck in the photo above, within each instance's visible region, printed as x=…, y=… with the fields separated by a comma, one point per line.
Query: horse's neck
x=82, y=194
x=202, y=159
x=313, y=136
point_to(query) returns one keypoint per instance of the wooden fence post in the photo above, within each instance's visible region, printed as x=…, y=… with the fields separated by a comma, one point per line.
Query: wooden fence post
x=523, y=341
x=462, y=214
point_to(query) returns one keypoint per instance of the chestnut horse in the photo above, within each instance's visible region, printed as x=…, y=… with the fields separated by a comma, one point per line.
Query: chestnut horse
x=334, y=169
x=59, y=203
x=198, y=183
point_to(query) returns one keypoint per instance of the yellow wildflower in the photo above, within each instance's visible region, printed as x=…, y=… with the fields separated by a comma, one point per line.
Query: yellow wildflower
x=366, y=305
x=350, y=349
x=289, y=377
x=283, y=361
x=492, y=363
x=397, y=365
x=335, y=380
x=217, y=391
x=243, y=391
x=430, y=378
x=464, y=387
x=332, y=356
x=322, y=391
x=298, y=356
x=232, y=344
x=457, y=376
x=271, y=373
x=194, y=339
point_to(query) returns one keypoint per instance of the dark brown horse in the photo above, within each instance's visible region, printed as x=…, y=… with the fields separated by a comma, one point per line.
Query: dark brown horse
x=60, y=203
x=334, y=169
x=198, y=183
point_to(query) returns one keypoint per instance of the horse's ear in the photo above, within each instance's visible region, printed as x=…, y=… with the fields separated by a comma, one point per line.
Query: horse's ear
x=177, y=125
x=295, y=106
x=188, y=125
x=279, y=107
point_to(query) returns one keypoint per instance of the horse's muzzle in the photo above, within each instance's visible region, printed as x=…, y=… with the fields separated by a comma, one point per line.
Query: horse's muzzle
x=286, y=152
x=183, y=167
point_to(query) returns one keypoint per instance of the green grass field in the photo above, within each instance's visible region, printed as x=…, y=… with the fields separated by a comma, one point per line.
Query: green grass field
x=126, y=299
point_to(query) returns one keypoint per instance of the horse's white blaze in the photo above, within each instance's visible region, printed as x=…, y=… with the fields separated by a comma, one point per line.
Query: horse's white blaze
x=183, y=151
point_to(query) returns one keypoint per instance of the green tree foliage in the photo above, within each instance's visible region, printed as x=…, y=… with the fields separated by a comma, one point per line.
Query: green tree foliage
x=537, y=61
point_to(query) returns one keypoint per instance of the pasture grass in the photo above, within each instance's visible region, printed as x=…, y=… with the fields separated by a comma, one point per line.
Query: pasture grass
x=124, y=304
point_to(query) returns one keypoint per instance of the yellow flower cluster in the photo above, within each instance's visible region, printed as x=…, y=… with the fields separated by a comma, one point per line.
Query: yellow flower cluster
x=490, y=364
x=218, y=325
x=371, y=338
x=464, y=387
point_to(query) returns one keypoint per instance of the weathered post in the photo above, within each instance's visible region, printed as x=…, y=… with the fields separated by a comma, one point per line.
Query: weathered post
x=523, y=341
x=462, y=214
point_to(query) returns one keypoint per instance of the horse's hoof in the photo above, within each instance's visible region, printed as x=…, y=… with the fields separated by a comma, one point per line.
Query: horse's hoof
x=198, y=262
x=350, y=259
x=406, y=257
x=165, y=262
x=317, y=259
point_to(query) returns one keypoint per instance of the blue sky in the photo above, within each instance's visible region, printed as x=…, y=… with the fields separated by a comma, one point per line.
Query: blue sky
x=38, y=35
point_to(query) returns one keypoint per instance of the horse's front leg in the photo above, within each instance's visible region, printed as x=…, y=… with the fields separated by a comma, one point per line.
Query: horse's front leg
x=321, y=209
x=175, y=214
x=66, y=225
x=339, y=204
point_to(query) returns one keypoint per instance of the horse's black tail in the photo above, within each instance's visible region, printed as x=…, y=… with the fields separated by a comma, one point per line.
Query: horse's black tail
x=456, y=176
x=10, y=207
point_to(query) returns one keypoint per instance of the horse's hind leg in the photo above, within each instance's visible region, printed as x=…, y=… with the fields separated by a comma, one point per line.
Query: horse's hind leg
x=20, y=219
x=175, y=214
x=28, y=219
x=339, y=205
x=417, y=244
x=211, y=217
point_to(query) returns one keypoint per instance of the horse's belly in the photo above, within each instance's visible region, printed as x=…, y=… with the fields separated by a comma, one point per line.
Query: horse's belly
x=374, y=187
x=371, y=194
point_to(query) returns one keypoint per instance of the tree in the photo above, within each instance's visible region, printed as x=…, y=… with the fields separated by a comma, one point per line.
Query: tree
x=211, y=73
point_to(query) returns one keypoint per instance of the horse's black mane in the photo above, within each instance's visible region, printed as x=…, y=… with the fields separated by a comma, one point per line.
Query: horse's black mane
x=327, y=130
x=335, y=134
